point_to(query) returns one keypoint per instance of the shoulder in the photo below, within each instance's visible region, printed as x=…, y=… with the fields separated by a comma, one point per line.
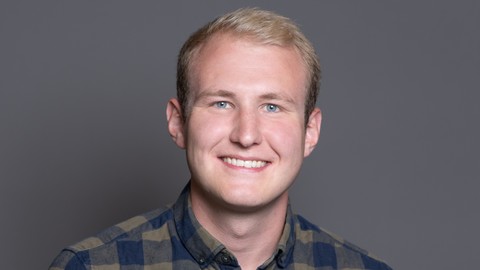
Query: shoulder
x=106, y=245
x=329, y=249
x=131, y=229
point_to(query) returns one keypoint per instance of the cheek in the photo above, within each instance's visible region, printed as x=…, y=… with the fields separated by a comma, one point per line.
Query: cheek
x=205, y=132
x=286, y=138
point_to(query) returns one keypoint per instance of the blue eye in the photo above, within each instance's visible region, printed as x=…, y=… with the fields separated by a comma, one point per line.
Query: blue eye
x=271, y=108
x=221, y=104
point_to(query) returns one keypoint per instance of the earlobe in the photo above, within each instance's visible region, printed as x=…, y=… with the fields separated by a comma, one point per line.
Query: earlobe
x=175, y=122
x=312, y=131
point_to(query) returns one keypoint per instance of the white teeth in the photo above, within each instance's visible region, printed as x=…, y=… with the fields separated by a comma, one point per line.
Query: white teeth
x=245, y=163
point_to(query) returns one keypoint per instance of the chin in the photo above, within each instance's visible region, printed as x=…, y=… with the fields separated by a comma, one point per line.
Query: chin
x=243, y=202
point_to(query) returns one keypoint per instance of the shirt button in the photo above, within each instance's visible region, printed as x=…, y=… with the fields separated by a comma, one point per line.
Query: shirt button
x=225, y=258
x=201, y=260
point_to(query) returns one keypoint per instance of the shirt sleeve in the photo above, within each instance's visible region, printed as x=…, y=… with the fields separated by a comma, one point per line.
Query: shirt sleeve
x=67, y=260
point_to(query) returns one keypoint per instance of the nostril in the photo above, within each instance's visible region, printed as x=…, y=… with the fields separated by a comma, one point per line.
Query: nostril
x=246, y=130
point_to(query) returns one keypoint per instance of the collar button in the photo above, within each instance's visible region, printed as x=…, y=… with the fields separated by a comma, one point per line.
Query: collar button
x=225, y=258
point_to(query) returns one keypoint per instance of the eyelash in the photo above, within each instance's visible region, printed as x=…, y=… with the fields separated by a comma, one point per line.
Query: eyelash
x=225, y=105
x=269, y=105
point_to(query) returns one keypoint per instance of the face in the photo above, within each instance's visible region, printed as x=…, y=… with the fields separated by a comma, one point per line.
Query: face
x=245, y=137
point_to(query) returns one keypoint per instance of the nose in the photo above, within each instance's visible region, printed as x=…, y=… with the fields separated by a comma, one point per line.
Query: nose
x=246, y=130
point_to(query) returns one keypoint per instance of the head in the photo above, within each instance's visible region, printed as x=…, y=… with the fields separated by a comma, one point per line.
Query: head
x=259, y=26
x=244, y=82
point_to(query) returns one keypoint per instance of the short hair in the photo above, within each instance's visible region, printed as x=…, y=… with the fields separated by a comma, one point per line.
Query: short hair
x=265, y=27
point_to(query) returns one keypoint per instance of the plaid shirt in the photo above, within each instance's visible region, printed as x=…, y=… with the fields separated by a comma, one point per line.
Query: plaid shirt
x=172, y=238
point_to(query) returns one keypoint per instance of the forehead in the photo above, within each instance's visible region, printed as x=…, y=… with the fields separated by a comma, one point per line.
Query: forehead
x=225, y=57
x=223, y=39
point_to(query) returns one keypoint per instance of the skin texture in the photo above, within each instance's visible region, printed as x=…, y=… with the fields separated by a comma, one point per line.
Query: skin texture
x=248, y=103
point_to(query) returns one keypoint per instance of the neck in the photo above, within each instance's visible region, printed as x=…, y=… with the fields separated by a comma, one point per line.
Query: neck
x=251, y=235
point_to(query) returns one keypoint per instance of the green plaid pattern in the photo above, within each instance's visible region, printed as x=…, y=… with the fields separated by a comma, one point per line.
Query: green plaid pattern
x=172, y=238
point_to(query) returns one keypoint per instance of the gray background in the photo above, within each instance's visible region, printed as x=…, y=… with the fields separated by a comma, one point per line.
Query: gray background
x=83, y=140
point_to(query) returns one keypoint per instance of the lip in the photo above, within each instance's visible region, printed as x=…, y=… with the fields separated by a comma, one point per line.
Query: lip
x=247, y=163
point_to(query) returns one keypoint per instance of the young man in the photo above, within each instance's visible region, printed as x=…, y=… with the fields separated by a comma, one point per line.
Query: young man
x=247, y=85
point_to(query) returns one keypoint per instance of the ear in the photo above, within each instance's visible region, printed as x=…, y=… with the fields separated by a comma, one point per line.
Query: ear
x=175, y=122
x=312, y=131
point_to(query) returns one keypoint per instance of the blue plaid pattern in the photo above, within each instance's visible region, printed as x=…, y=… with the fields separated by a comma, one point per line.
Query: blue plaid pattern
x=172, y=238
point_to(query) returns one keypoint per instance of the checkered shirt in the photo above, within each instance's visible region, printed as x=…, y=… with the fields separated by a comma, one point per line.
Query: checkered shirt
x=172, y=238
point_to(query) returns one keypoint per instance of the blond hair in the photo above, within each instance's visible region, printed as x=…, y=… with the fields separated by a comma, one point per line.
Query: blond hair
x=265, y=27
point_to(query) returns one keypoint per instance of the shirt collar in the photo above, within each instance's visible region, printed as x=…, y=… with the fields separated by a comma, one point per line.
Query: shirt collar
x=204, y=247
x=285, y=245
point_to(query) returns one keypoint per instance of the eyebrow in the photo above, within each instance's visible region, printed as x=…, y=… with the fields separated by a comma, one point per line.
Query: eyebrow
x=276, y=96
x=230, y=94
x=215, y=93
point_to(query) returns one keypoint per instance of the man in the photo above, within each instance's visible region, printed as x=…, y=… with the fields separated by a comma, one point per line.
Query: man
x=247, y=85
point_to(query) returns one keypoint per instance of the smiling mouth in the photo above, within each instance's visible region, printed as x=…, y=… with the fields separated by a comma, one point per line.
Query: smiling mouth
x=245, y=163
